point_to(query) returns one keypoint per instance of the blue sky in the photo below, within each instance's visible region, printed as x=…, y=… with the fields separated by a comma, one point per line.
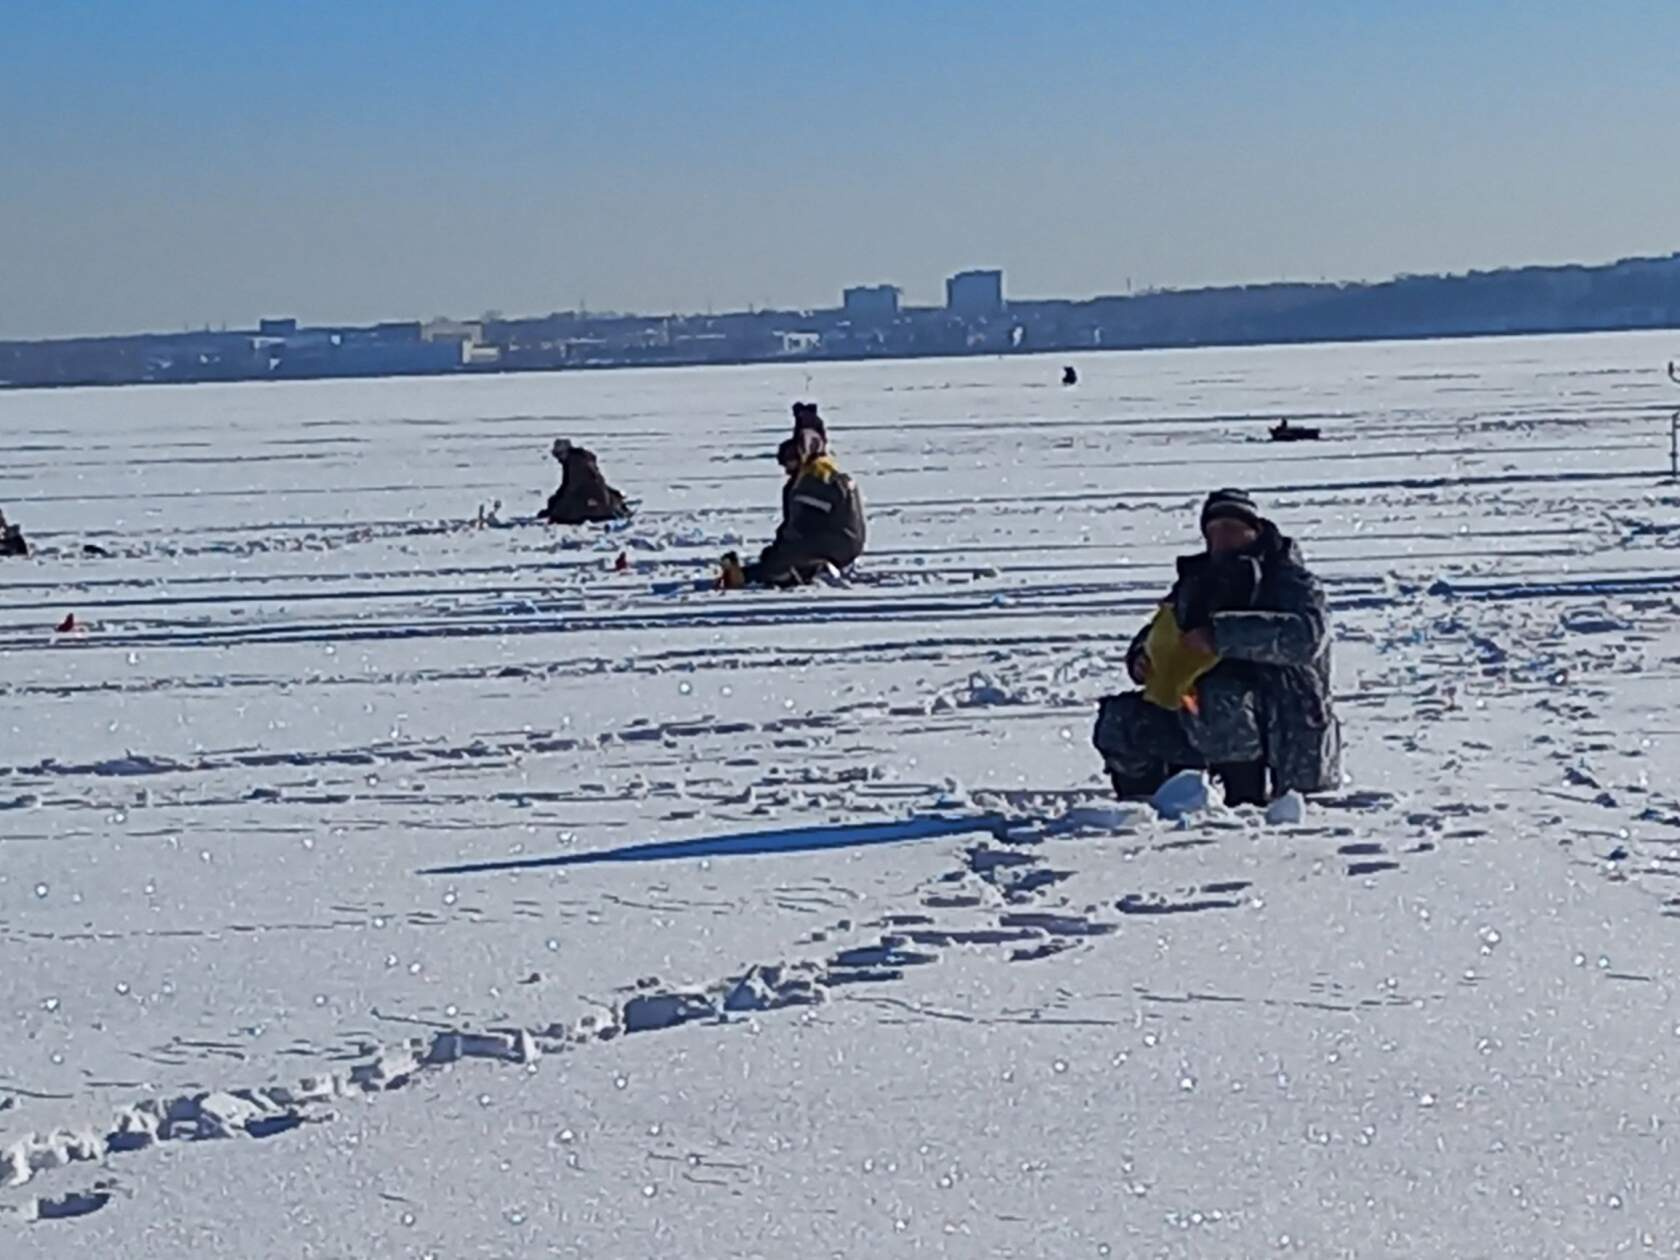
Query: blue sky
x=165, y=165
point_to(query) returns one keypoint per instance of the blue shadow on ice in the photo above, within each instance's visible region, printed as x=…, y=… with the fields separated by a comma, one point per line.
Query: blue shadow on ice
x=789, y=840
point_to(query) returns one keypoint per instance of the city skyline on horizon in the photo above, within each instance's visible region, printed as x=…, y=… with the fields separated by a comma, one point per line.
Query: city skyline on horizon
x=183, y=164
x=252, y=321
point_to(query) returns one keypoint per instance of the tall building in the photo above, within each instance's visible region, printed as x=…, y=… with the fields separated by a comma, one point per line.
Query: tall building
x=871, y=302
x=974, y=293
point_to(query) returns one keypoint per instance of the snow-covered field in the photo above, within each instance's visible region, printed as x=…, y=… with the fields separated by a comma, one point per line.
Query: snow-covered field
x=1434, y=1018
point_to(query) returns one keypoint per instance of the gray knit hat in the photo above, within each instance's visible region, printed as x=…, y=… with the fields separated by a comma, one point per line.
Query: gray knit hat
x=1231, y=505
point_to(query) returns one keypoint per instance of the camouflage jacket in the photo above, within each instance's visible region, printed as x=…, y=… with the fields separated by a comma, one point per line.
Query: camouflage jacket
x=1273, y=680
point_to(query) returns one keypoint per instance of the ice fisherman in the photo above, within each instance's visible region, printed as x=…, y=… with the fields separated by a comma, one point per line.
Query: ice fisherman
x=584, y=495
x=822, y=519
x=12, y=542
x=1234, y=670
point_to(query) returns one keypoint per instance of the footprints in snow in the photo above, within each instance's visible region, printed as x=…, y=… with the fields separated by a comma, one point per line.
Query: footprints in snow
x=258, y=1114
x=1002, y=880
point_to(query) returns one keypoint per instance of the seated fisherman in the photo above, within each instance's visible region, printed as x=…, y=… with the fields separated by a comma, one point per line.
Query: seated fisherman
x=1234, y=670
x=584, y=495
x=822, y=520
x=12, y=542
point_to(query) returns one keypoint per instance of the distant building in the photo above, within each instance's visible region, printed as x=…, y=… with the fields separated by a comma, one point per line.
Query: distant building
x=396, y=330
x=466, y=331
x=974, y=293
x=800, y=342
x=282, y=349
x=871, y=303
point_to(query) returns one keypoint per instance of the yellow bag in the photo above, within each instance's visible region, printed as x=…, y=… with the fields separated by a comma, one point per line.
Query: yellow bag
x=1173, y=668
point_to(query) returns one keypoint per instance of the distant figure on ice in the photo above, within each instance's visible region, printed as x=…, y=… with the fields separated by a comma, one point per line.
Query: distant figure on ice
x=584, y=495
x=1069, y=376
x=11, y=539
x=1234, y=670
x=1283, y=431
x=822, y=520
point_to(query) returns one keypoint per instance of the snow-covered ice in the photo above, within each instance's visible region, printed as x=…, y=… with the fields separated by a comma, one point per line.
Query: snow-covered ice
x=814, y=931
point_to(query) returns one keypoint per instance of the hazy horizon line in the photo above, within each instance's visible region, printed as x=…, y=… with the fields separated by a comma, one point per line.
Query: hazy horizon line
x=609, y=312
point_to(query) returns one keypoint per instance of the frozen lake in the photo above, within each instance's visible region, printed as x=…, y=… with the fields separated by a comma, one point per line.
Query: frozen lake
x=1436, y=1018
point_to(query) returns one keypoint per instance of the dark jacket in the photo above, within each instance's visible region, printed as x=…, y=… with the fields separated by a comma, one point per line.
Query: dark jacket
x=822, y=522
x=11, y=539
x=1270, y=625
x=584, y=495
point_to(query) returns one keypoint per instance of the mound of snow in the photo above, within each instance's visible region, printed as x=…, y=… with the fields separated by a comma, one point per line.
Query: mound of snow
x=766, y=988
x=954, y=796
x=648, y=1012
x=986, y=690
x=1187, y=792
x=1288, y=810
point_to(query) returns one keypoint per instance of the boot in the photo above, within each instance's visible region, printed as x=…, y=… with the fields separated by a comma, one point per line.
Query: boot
x=1132, y=786
x=1244, y=782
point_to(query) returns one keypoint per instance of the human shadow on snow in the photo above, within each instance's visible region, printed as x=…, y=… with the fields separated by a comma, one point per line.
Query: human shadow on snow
x=737, y=844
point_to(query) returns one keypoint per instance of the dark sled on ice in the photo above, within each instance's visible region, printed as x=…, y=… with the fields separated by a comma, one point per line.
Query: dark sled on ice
x=1283, y=431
